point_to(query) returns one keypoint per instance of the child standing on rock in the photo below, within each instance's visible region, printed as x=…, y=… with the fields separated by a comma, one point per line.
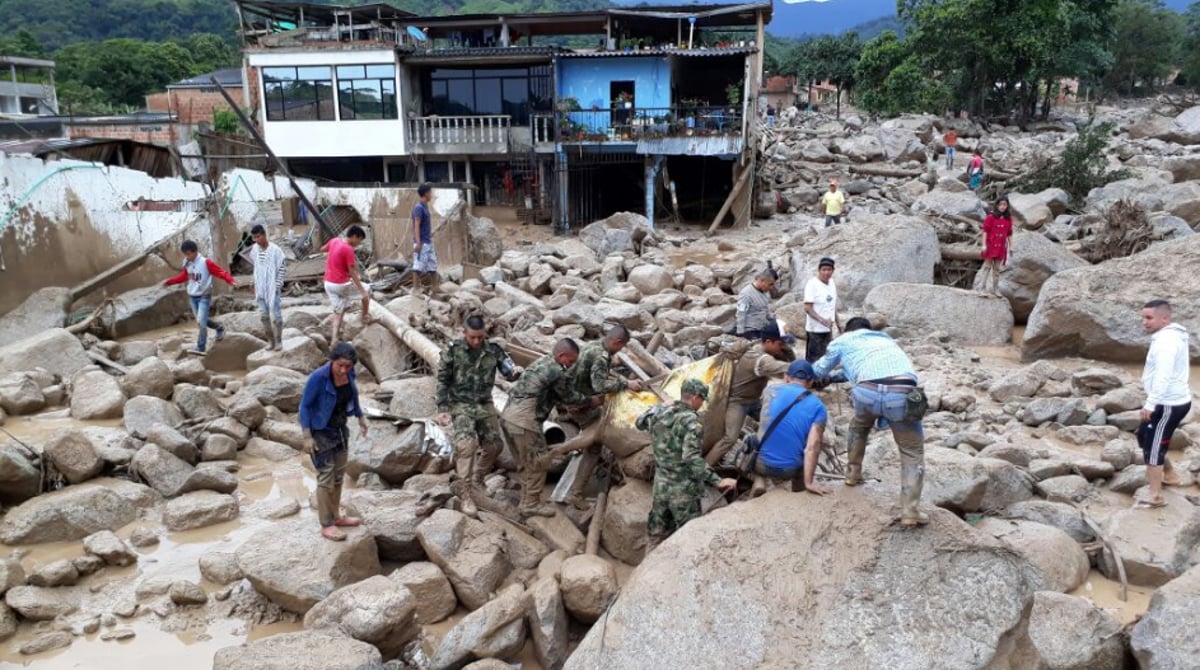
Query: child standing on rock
x=198, y=272
x=997, y=236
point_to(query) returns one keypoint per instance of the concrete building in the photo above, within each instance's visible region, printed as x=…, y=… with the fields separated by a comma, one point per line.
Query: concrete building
x=193, y=101
x=27, y=87
x=569, y=135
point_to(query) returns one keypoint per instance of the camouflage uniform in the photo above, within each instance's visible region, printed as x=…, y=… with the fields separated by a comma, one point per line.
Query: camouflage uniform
x=591, y=377
x=680, y=473
x=464, y=390
x=543, y=385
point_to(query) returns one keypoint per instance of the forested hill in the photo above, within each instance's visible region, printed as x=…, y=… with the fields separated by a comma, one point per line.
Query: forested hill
x=55, y=23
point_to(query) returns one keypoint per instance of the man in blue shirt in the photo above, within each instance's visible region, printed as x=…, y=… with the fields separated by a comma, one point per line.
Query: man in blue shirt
x=424, y=257
x=795, y=442
x=883, y=377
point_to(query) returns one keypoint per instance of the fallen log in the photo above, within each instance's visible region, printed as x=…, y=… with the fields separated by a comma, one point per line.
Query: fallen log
x=593, y=537
x=645, y=359
x=885, y=171
x=116, y=272
x=960, y=252
x=412, y=338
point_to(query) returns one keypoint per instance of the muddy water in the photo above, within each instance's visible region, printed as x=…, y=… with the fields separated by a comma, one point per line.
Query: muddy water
x=1106, y=594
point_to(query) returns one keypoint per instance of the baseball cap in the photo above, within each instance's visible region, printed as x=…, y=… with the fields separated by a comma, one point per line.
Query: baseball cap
x=801, y=370
x=694, y=387
x=771, y=332
x=826, y=261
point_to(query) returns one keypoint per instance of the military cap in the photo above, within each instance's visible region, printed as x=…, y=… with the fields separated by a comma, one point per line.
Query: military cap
x=694, y=387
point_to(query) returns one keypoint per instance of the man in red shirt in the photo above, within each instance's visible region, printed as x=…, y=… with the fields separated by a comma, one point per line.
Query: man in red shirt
x=341, y=271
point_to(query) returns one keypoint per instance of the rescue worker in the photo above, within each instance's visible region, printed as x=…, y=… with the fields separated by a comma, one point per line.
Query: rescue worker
x=464, y=401
x=543, y=385
x=592, y=376
x=754, y=304
x=757, y=364
x=680, y=474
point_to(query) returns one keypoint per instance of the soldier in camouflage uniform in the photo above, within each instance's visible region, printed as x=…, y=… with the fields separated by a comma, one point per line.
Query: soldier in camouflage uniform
x=464, y=402
x=591, y=376
x=680, y=473
x=545, y=384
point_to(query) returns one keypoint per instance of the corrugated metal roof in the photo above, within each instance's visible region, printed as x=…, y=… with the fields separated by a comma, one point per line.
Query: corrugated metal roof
x=663, y=51
x=227, y=77
x=38, y=147
x=507, y=53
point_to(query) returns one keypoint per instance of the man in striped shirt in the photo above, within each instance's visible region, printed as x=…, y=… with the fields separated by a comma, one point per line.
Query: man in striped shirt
x=268, y=284
x=883, y=378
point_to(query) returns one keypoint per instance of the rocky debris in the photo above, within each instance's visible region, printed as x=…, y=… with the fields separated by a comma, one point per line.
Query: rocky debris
x=72, y=454
x=412, y=398
x=199, y=509
x=953, y=480
x=56, y=351
x=966, y=316
x=220, y=567
x=817, y=594
x=548, y=623
x=46, y=642
x=1093, y=311
x=268, y=561
x=1056, y=561
x=144, y=412
x=524, y=551
x=38, y=603
x=1058, y=515
x=1038, y=259
x=870, y=251
x=304, y=650
x=161, y=470
x=219, y=448
x=276, y=386
x=299, y=354
x=434, y=596
x=1069, y=633
x=589, y=583
x=197, y=402
x=20, y=394
x=56, y=573
x=471, y=555
x=392, y=517
x=67, y=514
x=1154, y=553
x=286, y=432
x=96, y=395
x=272, y=451
x=230, y=354
x=1164, y=638
x=185, y=593
x=146, y=309
x=150, y=377
x=393, y=454
x=20, y=478
x=376, y=610
x=495, y=630
x=11, y=574
x=615, y=234
x=8, y=622
x=109, y=548
x=190, y=370
x=558, y=532
x=381, y=353
x=45, y=309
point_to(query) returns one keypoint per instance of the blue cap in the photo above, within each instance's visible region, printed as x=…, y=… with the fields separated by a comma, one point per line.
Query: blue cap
x=771, y=332
x=801, y=370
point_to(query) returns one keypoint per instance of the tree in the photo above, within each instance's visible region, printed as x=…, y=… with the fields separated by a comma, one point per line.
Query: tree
x=124, y=69
x=1190, y=63
x=1146, y=45
x=893, y=80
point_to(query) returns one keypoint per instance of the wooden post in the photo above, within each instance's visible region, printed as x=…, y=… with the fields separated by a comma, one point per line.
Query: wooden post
x=594, y=530
x=733, y=194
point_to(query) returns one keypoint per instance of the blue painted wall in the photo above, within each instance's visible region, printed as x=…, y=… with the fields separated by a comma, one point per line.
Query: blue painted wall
x=588, y=79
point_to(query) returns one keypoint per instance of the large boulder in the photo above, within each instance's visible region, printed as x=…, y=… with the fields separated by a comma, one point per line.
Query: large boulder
x=300, y=354
x=161, y=470
x=230, y=353
x=1165, y=638
x=392, y=517
x=471, y=555
x=20, y=394
x=412, y=398
x=393, y=454
x=197, y=402
x=45, y=309
x=1032, y=261
x=485, y=245
x=199, y=509
x=56, y=350
x=967, y=317
x=67, y=514
x=871, y=250
x=835, y=582
x=376, y=610
x=428, y=584
x=1093, y=311
x=651, y=279
x=961, y=203
x=548, y=623
x=496, y=630
x=1056, y=561
x=269, y=561
x=304, y=650
x=144, y=412
x=20, y=478
x=149, y=308
x=73, y=455
x=1070, y=633
x=1158, y=549
x=624, y=532
x=589, y=583
x=379, y=350
x=615, y=234
x=96, y=395
x=151, y=377
x=953, y=480
x=272, y=385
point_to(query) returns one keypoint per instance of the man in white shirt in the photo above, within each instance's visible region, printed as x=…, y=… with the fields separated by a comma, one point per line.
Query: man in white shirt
x=269, y=271
x=1168, y=395
x=820, y=306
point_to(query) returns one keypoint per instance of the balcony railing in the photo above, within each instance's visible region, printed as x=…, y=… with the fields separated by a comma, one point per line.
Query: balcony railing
x=543, y=127
x=459, y=131
x=635, y=124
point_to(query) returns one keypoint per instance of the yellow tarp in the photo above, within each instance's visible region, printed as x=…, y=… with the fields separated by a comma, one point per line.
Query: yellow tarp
x=618, y=431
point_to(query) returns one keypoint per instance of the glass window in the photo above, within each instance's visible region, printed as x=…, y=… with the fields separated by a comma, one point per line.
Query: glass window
x=298, y=93
x=487, y=96
x=461, y=97
x=367, y=92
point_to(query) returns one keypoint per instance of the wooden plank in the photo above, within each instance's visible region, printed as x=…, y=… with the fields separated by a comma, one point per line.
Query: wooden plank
x=737, y=188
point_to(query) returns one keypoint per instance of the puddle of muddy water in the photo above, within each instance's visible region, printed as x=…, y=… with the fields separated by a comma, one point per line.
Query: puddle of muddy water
x=1106, y=594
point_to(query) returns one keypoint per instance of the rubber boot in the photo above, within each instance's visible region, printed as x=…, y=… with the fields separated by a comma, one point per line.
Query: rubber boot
x=279, y=334
x=589, y=458
x=759, y=487
x=912, y=481
x=465, y=490
x=266, y=324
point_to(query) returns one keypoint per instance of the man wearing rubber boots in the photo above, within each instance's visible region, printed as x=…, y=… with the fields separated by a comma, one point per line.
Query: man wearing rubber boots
x=543, y=385
x=680, y=473
x=885, y=387
x=592, y=377
x=464, y=400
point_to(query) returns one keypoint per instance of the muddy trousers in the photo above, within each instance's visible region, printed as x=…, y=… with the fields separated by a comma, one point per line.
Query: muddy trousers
x=329, y=459
x=534, y=458
x=735, y=417
x=477, y=443
x=589, y=458
x=872, y=405
x=991, y=274
x=674, y=504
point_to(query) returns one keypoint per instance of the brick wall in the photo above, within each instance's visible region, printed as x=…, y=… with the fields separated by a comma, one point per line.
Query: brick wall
x=164, y=134
x=191, y=105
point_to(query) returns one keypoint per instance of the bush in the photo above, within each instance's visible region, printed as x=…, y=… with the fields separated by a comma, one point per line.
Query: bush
x=226, y=122
x=1082, y=167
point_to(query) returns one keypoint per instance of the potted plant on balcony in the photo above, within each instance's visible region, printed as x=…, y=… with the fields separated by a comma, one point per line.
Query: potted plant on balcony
x=734, y=93
x=624, y=100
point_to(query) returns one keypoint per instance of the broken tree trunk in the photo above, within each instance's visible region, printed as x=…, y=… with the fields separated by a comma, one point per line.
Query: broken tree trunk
x=411, y=337
x=593, y=537
x=114, y=273
x=885, y=171
x=645, y=359
x=960, y=252
x=733, y=194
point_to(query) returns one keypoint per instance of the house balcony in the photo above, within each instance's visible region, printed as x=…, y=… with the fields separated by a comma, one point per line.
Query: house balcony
x=447, y=135
x=679, y=130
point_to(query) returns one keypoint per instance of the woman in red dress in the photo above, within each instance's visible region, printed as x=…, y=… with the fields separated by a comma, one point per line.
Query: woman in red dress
x=997, y=235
